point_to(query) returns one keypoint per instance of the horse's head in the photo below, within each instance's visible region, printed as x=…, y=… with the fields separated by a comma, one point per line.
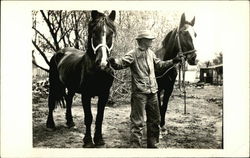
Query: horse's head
x=101, y=34
x=185, y=39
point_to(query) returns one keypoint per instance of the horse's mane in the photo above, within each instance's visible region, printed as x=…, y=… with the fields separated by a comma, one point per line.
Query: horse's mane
x=166, y=39
x=168, y=44
x=95, y=25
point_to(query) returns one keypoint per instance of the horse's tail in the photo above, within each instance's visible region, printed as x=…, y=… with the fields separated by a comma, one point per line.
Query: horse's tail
x=56, y=88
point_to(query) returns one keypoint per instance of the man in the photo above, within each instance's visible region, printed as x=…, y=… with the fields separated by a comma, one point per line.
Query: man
x=142, y=62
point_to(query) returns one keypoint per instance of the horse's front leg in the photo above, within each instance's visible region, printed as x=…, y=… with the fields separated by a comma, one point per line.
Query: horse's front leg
x=102, y=101
x=69, y=99
x=88, y=118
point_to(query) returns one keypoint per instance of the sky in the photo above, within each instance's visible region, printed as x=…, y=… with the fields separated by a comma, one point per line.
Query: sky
x=208, y=41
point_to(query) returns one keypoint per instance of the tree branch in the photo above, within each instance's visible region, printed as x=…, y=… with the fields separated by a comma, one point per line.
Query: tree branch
x=76, y=31
x=45, y=39
x=64, y=34
x=34, y=62
x=59, y=21
x=41, y=52
x=46, y=20
x=53, y=34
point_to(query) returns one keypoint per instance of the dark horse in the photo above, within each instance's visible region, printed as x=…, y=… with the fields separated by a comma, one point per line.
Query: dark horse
x=74, y=71
x=179, y=40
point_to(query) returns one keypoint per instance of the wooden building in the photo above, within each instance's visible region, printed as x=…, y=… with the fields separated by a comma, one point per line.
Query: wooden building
x=212, y=74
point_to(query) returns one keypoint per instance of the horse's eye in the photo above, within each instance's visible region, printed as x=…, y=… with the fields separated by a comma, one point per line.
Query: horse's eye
x=195, y=34
x=110, y=34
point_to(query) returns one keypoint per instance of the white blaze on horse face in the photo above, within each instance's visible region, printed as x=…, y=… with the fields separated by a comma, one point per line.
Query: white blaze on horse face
x=104, y=49
x=191, y=31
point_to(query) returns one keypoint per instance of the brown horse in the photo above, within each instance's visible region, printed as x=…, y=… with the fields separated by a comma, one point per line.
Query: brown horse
x=86, y=73
x=177, y=41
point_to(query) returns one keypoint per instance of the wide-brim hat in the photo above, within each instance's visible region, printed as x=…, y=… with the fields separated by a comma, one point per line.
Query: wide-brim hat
x=145, y=34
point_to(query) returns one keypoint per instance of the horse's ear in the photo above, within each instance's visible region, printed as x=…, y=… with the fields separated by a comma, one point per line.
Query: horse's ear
x=95, y=14
x=193, y=21
x=112, y=15
x=183, y=20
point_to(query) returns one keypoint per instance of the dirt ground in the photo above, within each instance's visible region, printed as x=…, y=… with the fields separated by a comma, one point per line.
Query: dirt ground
x=200, y=128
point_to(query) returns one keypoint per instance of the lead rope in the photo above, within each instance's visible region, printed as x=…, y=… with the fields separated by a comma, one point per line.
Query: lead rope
x=166, y=71
x=182, y=85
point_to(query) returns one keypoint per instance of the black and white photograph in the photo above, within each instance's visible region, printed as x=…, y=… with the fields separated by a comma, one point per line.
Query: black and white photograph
x=88, y=50
x=170, y=78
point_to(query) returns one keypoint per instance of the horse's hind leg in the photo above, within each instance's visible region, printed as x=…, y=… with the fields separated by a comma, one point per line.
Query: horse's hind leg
x=98, y=139
x=88, y=142
x=50, y=121
x=69, y=99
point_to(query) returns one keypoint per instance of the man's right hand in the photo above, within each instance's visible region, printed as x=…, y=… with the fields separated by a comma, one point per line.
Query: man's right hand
x=177, y=59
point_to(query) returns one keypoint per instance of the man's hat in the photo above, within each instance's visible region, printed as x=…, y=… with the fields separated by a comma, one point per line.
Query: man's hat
x=145, y=34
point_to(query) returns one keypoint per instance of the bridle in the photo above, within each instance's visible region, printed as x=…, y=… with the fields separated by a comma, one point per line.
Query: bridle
x=179, y=45
x=101, y=45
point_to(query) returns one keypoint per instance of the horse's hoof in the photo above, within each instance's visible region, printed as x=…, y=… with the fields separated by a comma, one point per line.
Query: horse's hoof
x=99, y=142
x=71, y=124
x=162, y=124
x=88, y=142
x=51, y=126
x=51, y=129
x=164, y=130
x=88, y=145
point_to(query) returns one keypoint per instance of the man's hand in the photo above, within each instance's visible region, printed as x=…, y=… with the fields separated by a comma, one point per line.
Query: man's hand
x=177, y=59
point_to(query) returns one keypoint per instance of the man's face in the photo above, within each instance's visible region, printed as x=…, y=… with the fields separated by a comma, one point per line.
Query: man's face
x=146, y=43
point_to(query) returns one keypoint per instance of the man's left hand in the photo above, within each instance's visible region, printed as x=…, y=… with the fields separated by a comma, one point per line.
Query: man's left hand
x=177, y=59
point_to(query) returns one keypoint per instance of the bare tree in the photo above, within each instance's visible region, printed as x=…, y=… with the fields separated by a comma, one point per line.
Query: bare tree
x=66, y=29
x=218, y=59
x=208, y=63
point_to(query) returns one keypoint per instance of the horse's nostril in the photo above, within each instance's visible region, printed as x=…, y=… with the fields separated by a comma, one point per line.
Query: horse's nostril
x=196, y=61
x=98, y=62
x=104, y=64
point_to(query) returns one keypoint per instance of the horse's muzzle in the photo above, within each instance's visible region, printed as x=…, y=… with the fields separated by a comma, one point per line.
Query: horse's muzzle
x=192, y=60
x=103, y=65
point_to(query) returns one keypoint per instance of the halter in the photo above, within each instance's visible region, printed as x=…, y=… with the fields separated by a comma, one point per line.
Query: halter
x=100, y=45
x=179, y=45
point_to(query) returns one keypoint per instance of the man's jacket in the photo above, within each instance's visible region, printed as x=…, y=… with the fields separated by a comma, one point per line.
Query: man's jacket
x=142, y=64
